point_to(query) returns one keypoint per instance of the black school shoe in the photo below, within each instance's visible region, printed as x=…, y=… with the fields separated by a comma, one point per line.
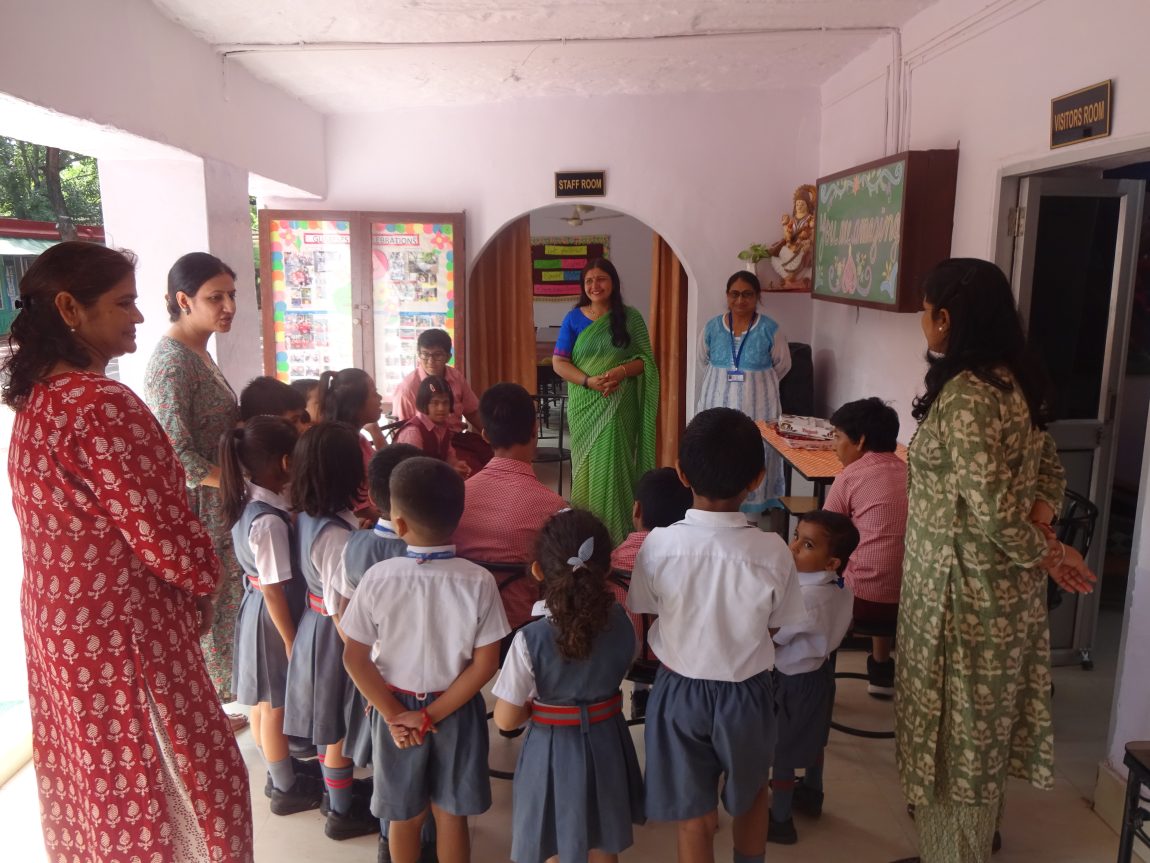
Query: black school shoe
x=880, y=678
x=301, y=768
x=359, y=788
x=807, y=801
x=305, y=793
x=782, y=832
x=357, y=821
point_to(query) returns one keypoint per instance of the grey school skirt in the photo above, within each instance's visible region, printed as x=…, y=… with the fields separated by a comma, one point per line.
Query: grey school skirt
x=259, y=660
x=316, y=682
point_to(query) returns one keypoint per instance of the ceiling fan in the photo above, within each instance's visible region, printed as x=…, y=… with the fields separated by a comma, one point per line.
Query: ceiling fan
x=577, y=216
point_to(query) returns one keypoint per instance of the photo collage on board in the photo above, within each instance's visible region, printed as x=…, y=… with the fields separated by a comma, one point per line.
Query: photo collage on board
x=316, y=279
x=413, y=294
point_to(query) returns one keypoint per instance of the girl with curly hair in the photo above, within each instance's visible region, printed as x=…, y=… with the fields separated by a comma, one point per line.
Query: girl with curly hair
x=577, y=788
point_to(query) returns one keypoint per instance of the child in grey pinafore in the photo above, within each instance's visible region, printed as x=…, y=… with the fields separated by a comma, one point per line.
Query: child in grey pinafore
x=577, y=786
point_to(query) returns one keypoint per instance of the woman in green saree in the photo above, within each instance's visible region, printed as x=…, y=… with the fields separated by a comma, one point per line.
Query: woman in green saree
x=604, y=353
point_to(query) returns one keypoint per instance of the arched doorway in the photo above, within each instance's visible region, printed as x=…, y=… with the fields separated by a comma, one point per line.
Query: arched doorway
x=526, y=279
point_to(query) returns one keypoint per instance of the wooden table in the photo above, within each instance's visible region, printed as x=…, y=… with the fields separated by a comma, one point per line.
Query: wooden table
x=818, y=466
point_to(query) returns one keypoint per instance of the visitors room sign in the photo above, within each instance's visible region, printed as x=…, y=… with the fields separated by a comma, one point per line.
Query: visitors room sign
x=1081, y=116
x=580, y=184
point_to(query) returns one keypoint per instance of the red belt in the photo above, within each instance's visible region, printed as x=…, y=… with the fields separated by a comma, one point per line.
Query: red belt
x=315, y=603
x=571, y=715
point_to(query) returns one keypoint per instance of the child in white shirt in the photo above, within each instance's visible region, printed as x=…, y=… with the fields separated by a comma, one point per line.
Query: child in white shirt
x=804, y=671
x=718, y=587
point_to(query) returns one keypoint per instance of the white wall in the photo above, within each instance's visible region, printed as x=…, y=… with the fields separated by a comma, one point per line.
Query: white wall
x=980, y=76
x=710, y=173
x=123, y=64
x=157, y=233
x=630, y=252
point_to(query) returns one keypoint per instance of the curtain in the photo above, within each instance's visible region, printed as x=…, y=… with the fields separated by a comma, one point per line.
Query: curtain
x=669, y=342
x=500, y=315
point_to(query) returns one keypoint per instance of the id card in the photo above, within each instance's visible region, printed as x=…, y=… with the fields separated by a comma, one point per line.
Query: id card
x=735, y=376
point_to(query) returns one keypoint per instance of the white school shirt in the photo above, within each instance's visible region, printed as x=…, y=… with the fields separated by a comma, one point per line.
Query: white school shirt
x=804, y=647
x=269, y=538
x=516, y=681
x=326, y=555
x=426, y=618
x=717, y=585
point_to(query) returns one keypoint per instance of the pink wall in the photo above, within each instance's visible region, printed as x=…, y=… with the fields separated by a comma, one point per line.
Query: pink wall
x=980, y=76
x=711, y=173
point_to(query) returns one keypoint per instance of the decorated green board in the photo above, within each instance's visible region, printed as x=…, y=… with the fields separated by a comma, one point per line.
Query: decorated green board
x=858, y=233
x=880, y=227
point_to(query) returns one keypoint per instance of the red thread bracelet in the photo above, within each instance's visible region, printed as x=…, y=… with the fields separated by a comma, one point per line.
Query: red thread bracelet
x=427, y=724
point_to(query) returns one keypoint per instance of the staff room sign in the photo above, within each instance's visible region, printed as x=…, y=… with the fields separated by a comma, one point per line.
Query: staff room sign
x=1081, y=116
x=580, y=184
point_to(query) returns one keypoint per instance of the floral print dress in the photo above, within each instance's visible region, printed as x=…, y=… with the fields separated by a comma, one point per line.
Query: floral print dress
x=134, y=759
x=195, y=406
x=972, y=699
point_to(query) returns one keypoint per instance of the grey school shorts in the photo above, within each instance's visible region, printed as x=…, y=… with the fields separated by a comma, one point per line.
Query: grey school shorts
x=449, y=769
x=701, y=731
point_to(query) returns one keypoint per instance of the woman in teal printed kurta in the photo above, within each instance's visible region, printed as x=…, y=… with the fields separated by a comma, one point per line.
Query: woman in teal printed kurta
x=973, y=678
x=195, y=405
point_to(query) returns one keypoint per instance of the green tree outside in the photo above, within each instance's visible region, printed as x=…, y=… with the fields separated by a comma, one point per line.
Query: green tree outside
x=47, y=184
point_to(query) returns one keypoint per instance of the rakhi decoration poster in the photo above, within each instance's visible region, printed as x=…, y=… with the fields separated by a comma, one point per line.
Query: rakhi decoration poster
x=413, y=286
x=557, y=264
x=311, y=296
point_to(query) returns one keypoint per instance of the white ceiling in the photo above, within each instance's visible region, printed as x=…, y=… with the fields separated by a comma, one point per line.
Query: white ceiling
x=347, y=56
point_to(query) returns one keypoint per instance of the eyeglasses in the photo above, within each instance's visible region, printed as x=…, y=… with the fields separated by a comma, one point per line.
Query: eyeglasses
x=741, y=295
x=433, y=356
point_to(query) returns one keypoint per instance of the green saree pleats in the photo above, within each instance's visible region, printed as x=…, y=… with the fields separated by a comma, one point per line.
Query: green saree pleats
x=612, y=437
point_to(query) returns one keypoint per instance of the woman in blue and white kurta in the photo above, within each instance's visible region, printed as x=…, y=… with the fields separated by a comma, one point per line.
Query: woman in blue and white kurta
x=744, y=355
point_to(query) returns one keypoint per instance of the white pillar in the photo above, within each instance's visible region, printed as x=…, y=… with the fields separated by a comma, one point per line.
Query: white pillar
x=1130, y=716
x=162, y=209
x=156, y=208
x=239, y=352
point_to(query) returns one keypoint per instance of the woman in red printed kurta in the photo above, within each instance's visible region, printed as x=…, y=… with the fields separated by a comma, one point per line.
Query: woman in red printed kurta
x=134, y=758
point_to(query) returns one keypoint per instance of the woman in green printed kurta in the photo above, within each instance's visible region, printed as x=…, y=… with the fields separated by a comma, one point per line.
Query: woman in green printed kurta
x=195, y=405
x=604, y=353
x=973, y=679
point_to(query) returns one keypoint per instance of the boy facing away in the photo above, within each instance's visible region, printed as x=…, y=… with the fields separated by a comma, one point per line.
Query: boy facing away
x=436, y=621
x=718, y=586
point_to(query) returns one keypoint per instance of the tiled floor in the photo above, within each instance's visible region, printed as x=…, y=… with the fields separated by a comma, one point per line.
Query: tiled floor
x=864, y=822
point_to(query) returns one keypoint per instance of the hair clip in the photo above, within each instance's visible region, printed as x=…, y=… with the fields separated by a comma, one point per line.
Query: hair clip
x=583, y=555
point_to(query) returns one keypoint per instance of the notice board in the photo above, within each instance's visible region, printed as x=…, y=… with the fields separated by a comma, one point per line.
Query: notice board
x=882, y=226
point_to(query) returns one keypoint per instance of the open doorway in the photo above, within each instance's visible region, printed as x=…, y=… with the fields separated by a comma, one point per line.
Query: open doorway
x=1080, y=242
x=530, y=271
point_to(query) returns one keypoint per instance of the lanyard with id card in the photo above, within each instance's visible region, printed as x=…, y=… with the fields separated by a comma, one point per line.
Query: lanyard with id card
x=735, y=375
